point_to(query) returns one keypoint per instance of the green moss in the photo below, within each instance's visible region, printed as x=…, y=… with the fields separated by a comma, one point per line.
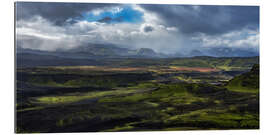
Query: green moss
x=152, y=104
x=242, y=89
x=221, y=118
x=145, y=85
x=121, y=128
x=249, y=123
x=147, y=105
x=132, y=98
x=30, y=109
x=247, y=82
x=75, y=97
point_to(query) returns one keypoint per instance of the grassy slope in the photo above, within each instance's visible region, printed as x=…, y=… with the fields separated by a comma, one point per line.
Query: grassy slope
x=170, y=107
x=247, y=82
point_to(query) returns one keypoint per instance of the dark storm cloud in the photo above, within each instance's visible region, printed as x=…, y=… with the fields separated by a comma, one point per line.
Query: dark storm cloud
x=207, y=19
x=163, y=28
x=58, y=13
x=148, y=28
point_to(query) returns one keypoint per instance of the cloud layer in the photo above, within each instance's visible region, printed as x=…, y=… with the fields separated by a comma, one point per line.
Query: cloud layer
x=164, y=28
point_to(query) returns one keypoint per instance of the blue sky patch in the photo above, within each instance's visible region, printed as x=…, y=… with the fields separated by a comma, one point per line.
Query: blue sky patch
x=126, y=15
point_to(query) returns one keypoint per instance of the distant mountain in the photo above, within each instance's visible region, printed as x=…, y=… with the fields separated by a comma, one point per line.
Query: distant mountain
x=33, y=59
x=110, y=50
x=176, y=55
x=222, y=52
x=230, y=52
x=97, y=51
x=146, y=52
x=103, y=50
x=196, y=53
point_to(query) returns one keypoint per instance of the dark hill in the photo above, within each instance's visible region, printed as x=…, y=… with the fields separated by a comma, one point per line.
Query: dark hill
x=247, y=82
x=99, y=50
x=146, y=52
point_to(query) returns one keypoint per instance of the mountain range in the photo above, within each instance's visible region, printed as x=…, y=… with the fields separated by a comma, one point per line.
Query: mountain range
x=107, y=54
x=94, y=51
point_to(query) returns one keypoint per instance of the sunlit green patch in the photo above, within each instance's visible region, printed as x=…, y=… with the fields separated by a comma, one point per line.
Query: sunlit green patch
x=175, y=94
x=250, y=123
x=152, y=104
x=181, y=128
x=187, y=79
x=221, y=118
x=217, y=101
x=231, y=68
x=30, y=109
x=75, y=97
x=145, y=85
x=247, y=82
x=120, y=128
x=242, y=89
x=75, y=117
x=132, y=98
x=188, y=99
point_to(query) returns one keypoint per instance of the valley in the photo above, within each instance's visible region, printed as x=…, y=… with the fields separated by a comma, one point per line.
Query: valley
x=139, y=95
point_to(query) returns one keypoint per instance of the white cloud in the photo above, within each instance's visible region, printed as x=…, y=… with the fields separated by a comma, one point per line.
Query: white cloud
x=98, y=11
x=247, y=39
x=149, y=17
x=51, y=37
x=39, y=33
x=172, y=29
x=116, y=10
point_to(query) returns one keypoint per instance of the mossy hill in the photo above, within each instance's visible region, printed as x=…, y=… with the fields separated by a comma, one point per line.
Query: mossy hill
x=247, y=82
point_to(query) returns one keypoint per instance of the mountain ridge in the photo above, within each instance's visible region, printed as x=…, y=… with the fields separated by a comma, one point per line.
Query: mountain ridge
x=114, y=51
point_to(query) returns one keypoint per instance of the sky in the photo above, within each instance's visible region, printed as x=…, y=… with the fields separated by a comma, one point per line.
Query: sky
x=164, y=28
